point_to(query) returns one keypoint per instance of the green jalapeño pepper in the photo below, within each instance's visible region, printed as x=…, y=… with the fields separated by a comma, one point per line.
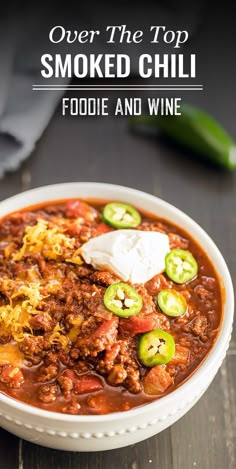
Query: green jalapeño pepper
x=172, y=302
x=180, y=266
x=121, y=215
x=122, y=300
x=156, y=348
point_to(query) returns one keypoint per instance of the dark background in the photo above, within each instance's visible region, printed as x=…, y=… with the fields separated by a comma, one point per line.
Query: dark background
x=103, y=149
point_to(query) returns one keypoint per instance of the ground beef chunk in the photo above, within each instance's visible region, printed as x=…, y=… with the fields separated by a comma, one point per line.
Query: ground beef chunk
x=120, y=364
x=51, y=358
x=66, y=385
x=209, y=282
x=92, y=297
x=72, y=408
x=32, y=347
x=68, y=359
x=104, y=278
x=197, y=326
x=13, y=225
x=82, y=367
x=185, y=341
x=185, y=318
x=73, y=320
x=83, y=384
x=118, y=353
x=47, y=373
x=11, y=376
x=148, y=303
x=163, y=321
x=66, y=302
x=160, y=227
x=82, y=271
x=86, y=233
x=117, y=375
x=42, y=321
x=157, y=283
x=96, y=336
x=48, y=393
x=203, y=293
x=177, y=241
x=107, y=362
x=132, y=381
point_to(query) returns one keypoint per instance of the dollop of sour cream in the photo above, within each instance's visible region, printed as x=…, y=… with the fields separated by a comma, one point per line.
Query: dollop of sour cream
x=133, y=255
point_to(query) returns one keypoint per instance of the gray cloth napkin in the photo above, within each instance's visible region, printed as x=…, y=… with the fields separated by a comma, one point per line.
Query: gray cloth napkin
x=24, y=114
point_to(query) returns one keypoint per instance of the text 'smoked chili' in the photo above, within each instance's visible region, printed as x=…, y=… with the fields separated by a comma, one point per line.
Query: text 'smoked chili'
x=77, y=340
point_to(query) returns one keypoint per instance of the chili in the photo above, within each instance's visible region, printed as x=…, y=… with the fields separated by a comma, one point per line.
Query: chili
x=65, y=346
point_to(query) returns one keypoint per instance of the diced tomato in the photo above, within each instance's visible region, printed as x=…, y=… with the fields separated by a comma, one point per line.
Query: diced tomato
x=157, y=283
x=107, y=329
x=12, y=376
x=100, y=339
x=157, y=380
x=138, y=324
x=77, y=208
x=85, y=383
x=181, y=356
x=74, y=229
x=103, y=228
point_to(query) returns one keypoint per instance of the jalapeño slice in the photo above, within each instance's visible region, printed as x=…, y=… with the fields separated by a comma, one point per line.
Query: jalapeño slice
x=121, y=215
x=172, y=302
x=180, y=266
x=122, y=300
x=156, y=348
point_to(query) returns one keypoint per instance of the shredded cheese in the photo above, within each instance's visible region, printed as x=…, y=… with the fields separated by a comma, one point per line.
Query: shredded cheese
x=14, y=319
x=73, y=334
x=24, y=297
x=51, y=243
x=15, y=316
x=76, y=258
x=32, y=291
x=57, y=338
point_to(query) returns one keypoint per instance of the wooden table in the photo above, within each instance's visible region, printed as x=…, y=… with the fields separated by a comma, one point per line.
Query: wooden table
x=103, y=149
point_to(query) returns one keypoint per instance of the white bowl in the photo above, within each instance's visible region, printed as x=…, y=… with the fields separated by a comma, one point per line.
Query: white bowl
x=103, y=432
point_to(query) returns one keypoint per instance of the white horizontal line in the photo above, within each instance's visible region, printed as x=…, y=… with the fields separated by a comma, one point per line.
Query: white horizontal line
x=112, y=86
x=116, y=88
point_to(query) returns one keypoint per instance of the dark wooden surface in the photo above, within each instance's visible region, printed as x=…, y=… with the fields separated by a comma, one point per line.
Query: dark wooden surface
x=104, y=150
